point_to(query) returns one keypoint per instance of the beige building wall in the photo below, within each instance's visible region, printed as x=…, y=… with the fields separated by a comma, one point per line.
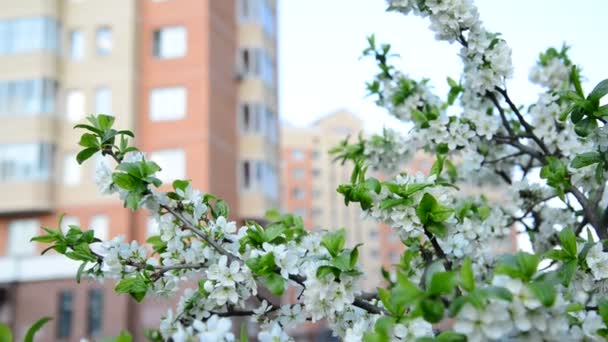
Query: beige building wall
x=115, y=71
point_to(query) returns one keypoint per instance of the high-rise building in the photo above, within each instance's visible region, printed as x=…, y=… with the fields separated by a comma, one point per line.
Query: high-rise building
x=196, y=80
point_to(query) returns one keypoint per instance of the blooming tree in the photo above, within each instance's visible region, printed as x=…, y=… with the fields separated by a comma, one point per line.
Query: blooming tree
x=548, y=162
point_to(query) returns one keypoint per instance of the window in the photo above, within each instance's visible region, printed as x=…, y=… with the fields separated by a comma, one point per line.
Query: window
x=297, y=193
x=19, y=234
x=71, y=170
x=259, y=12
x=103, y=100
x=76, y=45
x=95, y=314
x=297, y=154
x=246, y=178
x=256, y=63
x=375, y=253
x=168, y=103
x=173, y=163
x=74, y=104
x=300, y=212
x=68, y=221
x=373, y=233
x=316, y=212
x=315, y=155
x=30, y=34
x=316, y=193
x=25, y=162
x=170, y=42
x=103, y=40
x=297, y=173
x=259, y=175
x=316, y=173
x=152, y=227
x=27, y=97
x=66, y=311
x=100, y=225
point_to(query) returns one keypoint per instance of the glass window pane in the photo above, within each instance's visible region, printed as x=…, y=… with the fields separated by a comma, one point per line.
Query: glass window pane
x=95, y=315
x=66, y=310
x=71, y=170
x=103, y=100
x=75, y=105
x=76, y=45
x=100, y=225
x=20, y=233
x=170, y=42
x=103, y=41
x=172, y=162
x=168, y=103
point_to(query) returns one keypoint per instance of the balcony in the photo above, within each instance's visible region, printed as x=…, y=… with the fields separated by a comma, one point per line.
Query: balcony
x=36, y=268
x=32, y=196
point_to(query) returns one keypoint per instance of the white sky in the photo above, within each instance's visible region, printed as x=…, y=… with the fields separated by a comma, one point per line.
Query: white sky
x=320, y=42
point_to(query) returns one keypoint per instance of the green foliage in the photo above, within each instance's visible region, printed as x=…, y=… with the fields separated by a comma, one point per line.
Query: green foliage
x=136, y=286
x=102, y=138
x=521, y=265
x=432, y=214
x=29, y=335
x=6, y=335
x=264, y=267
x=74, y=245
x=360, y=190
x=467, y=279
x=123, y=337
x=556, y=174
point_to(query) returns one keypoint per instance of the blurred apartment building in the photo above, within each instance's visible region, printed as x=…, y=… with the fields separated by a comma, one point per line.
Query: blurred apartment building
x=196, y=80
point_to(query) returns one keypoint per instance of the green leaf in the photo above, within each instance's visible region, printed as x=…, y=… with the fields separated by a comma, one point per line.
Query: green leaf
x=599, y=91
x=498, y=292
x=125, y=181
x=5, y=333
x=586, y=159
x=135, y=286
x=432, y=310
x=545, y=292
x=437, y=166
x=424, y=209
x=334, y=242
x=566, y=272
x=449, y=336
x=584, y=127
x=29, y=336
x=442, y=283
x=325, y=270
x=568, y=241
x=576, y=81
x=86, y=154
x=88, y=140
x=123, y=337
x=354, y=255
x=466, y=275
x=80, y=270
x=105, y=121
x=275, y=283
x=158, y=245
x=602, y=309
x=244, y=335
x=437, y=229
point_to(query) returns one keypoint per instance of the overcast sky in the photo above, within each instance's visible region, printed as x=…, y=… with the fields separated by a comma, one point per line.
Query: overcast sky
x=321, y=42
